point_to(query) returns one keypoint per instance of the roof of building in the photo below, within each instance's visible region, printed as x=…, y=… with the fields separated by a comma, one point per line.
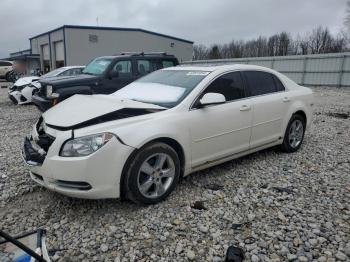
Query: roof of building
x=113, y=29
x=21, y=52
x=24, y=57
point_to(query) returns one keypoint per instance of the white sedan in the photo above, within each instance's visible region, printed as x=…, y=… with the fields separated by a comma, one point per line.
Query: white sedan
x=138, y=142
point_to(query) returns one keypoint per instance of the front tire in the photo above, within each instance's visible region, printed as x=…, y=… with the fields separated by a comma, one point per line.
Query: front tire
x=294, y=135
x=152, y=174
x=7, y=77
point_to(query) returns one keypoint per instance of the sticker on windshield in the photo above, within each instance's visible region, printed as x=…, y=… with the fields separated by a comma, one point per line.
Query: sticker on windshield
x=198, y=73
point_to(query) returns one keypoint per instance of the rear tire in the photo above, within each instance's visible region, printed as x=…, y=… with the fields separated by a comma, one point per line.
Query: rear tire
x=294, y=135
x=152, y=174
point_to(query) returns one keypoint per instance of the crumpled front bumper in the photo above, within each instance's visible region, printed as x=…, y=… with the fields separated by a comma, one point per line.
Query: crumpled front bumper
x=31, y=155
x=94, y=176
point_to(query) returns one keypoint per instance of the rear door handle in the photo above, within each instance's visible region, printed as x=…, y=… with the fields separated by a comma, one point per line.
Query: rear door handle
x=286, y=99
x=245, y=108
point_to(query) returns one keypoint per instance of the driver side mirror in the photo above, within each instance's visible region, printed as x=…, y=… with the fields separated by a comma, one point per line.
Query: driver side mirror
x=212, y=99
x=113, y=74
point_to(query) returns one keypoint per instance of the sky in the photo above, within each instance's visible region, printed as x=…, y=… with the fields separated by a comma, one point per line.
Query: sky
x=202, y=21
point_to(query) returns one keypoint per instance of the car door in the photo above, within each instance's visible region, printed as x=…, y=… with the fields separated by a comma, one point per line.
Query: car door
x=221, y=130
x=112, y=83
x=268, y=106
x=145, y=66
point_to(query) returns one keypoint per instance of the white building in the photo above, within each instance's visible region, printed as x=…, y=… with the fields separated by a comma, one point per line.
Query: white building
x=77, y=45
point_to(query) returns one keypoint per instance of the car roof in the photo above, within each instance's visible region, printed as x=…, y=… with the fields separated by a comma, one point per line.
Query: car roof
x=137, y=55
x=213, y=67
x=69, y=67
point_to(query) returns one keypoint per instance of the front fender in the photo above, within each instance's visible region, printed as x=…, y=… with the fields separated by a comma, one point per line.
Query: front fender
x=149, y=132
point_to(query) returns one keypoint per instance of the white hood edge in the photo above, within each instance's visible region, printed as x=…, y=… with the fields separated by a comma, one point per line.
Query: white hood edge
x=81, y=108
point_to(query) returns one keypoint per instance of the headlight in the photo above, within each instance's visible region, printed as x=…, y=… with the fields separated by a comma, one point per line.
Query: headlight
x=48, y=91
x=84, y=146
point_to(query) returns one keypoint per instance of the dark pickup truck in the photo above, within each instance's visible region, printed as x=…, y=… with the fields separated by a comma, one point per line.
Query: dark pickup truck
x=103, y=75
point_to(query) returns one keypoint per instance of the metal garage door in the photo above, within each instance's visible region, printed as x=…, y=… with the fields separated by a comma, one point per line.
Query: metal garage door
x=59, y=51
x=46, y=58
x=59, y=54
x=46, y=52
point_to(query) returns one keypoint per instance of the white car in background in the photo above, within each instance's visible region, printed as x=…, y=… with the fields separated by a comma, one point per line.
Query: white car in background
x=138, y=142
x=21, y=91
x=5, y=68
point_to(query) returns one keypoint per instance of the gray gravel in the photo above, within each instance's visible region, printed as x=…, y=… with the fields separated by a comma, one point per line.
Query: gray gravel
x=276, y=206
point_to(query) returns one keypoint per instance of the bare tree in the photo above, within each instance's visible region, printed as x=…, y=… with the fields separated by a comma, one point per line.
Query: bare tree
x=200, y=52
x=284, y=43
x=347, y=17
x=272, y=45
x=319, y=41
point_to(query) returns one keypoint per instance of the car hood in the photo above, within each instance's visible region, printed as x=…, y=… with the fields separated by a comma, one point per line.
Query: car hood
x=85, y=110
x=26, y=80
x=71, y=80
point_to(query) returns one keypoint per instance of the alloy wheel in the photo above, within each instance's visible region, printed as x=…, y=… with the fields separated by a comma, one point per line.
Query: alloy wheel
x=296, y=133
x=156, y=175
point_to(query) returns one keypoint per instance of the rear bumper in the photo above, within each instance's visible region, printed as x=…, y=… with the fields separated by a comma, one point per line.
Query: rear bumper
x=41, y=103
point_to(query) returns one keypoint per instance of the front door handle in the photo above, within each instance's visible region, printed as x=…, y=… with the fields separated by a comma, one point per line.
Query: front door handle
x=286, y=99
x=245, y=108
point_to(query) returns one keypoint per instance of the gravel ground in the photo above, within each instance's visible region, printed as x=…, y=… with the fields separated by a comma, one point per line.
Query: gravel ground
x=276, y=206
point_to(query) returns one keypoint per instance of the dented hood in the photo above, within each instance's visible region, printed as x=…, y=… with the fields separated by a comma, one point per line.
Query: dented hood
x=25, y=80
x=84, y=110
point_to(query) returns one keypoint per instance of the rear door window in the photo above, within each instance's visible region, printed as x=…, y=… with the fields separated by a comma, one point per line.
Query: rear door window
x=145, y=67
x=260, y=83
x=4, y=63
x=123, y=68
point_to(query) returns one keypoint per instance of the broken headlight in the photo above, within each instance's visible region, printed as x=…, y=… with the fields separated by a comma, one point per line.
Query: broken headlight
x=84, y=146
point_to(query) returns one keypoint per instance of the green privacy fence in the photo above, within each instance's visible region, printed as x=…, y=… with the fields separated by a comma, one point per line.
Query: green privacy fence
x=313, y=70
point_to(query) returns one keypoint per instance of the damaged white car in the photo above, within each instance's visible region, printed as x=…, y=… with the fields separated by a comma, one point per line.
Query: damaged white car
x=22, y=90
x=138, y=142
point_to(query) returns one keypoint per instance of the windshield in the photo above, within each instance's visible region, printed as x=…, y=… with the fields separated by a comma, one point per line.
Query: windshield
x=97, y=66
x=165, y=88
x=54, y=72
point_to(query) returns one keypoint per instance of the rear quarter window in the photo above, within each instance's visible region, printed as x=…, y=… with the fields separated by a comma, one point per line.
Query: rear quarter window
x=167, y=63
x=278, y=83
